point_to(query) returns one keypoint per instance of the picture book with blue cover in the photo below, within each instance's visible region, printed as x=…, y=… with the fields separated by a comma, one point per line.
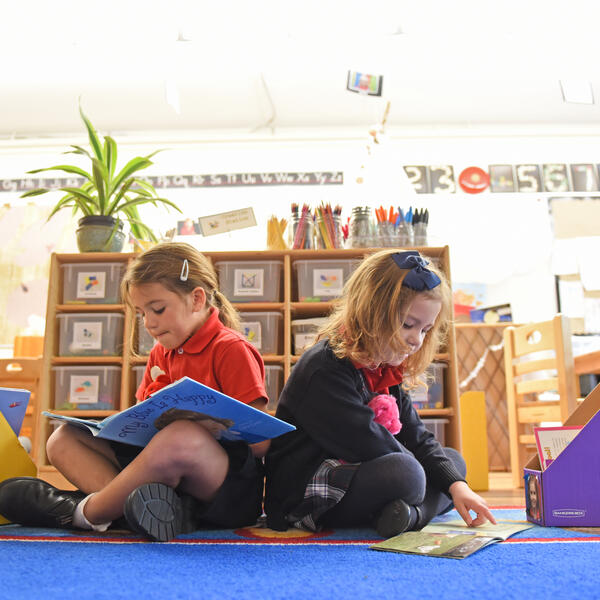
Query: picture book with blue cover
x=13, y=404
x=225, y=417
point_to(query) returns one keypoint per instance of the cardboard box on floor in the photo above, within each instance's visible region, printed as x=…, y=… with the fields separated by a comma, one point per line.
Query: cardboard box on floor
x=567, y=493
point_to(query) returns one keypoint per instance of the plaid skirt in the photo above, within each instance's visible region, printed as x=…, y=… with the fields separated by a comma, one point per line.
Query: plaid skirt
x=327, y=487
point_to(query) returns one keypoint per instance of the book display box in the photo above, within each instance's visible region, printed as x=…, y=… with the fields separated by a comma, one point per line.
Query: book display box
x=567, y=492
x=279, y=293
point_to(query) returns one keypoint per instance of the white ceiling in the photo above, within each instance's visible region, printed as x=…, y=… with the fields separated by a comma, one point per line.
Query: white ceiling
x=272, y=64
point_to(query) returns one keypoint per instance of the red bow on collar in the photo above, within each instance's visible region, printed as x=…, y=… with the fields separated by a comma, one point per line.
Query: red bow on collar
x=379, y=379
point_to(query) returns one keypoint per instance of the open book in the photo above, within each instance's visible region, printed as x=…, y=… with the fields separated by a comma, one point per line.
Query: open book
x=551, y=441
x=451, y=539
x=225, y=417
x=13, y=404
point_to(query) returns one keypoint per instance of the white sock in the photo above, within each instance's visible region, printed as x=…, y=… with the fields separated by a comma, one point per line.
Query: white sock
x=80, y=520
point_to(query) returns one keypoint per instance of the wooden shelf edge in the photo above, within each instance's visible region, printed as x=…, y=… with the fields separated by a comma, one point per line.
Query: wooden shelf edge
x=78, y=308
x=258, y=306
x=436, y=412
x=87, y=360
x=84, y=413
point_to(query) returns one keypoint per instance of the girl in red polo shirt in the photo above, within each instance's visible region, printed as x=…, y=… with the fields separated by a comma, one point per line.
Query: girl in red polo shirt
x=184, y=478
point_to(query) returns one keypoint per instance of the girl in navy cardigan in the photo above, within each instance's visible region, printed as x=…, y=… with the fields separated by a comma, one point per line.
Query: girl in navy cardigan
x=360, y=454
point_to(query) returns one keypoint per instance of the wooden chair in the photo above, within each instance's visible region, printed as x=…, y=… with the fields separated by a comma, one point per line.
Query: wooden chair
x=540, y=384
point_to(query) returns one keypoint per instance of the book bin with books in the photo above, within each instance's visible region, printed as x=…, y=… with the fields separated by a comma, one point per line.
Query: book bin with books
x=113, y=364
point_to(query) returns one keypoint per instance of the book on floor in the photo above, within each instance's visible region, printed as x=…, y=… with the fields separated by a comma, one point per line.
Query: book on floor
x=13, y=404
x=225, y=417
x=551, y=441
x=450, y=539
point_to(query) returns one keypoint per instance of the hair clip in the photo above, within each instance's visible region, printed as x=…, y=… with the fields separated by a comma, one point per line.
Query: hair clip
x=418, y=277
x=185, y=270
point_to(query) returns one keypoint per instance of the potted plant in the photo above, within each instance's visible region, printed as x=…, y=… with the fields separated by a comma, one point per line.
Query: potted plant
x=107, y=197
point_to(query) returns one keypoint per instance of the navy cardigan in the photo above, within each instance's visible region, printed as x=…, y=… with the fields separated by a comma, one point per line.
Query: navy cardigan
x=326, y=399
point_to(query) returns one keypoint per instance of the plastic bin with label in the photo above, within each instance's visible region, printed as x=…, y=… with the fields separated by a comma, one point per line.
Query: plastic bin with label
x=90, y=334
x=321, y=280
x=273, y=385
x=263, y=330
x=304, y=332
x=90, y=387
x=436, y=426
x=145, y=342
x=433, y=395
x=92, y=283
x=138, y=375
x=250, y=281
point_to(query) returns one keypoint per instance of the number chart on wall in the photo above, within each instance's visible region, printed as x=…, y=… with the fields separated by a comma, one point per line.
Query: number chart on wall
x=528, y=178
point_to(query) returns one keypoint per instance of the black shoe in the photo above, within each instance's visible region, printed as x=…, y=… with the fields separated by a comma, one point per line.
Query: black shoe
x=35, y=503
x=394, y=519
x=154, y=510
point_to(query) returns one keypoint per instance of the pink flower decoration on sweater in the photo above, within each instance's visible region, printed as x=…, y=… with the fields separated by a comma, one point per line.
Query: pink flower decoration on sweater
x=386, y=412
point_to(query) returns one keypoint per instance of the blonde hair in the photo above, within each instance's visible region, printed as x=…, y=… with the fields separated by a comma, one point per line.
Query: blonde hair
x=164, y=264
x=366, y=323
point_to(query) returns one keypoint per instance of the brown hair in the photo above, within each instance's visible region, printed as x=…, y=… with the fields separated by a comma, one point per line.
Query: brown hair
x=367, y=319
x=163, y=264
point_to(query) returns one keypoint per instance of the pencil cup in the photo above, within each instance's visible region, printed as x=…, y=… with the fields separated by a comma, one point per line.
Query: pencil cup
x=420, y=233
x=301, y=233
x=328, y=232
x=360, y=227
x=403, y=236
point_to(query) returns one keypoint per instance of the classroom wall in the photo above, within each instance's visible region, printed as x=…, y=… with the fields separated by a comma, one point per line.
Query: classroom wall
x=501, y=240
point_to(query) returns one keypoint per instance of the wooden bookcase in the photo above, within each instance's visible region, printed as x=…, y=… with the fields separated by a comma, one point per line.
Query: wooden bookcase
x=289, y=307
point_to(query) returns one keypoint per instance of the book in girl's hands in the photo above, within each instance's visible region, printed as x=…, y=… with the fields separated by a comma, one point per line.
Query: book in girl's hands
x=450, y=539
x=551, y=441
x=225, y=417
x=13, y=404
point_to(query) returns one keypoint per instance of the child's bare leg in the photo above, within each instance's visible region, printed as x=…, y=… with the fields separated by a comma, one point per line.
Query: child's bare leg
x=87, y=462
x=183, y=453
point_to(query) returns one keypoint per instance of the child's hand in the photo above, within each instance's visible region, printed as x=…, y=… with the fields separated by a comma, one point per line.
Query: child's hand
x=465, y=500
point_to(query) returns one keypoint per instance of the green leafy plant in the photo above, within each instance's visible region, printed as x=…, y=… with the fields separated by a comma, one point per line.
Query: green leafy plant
x=106, y=191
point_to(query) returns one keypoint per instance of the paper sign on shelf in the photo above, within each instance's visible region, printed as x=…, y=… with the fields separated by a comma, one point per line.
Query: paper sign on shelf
x=227, y=221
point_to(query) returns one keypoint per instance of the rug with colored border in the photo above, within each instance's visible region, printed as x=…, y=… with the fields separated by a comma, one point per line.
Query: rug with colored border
x=261, y=535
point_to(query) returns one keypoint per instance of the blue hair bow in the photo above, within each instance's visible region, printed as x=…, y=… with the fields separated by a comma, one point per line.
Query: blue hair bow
x=418, y=277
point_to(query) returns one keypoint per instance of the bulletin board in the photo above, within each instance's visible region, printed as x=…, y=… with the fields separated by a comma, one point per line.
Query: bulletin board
x=576, y=227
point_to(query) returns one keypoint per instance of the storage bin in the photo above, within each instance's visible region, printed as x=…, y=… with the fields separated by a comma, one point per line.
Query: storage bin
x=90, y=387
x=90, y=334
x=273, y=384
x=256, y=281
x=433, y=395
x=320, y=280
x=436, y=426
x=91, y=283
x=145, y=342
x=263, y=330
x=304, y=332
x=138, y=374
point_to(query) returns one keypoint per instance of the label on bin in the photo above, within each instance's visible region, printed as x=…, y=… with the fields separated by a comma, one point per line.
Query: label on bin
x=328, y=282
x=87, y=336
x=303, y=341
x=84, y=389
x=253, y=333
x=418, y=396
x=248, y=282
x=91, y=284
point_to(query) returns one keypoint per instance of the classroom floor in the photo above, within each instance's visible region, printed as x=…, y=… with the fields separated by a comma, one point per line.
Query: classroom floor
x=502, y=492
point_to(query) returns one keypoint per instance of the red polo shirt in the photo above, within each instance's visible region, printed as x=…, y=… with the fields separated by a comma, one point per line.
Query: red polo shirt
x=216, y=356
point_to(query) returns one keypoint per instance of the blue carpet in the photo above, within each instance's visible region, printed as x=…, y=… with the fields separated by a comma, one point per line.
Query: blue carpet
x=250, y=564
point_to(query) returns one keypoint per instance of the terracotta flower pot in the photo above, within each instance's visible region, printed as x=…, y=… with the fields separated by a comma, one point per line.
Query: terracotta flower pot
x=100, y=233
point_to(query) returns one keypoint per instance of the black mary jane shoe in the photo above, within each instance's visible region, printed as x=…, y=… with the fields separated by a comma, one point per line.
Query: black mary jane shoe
x=35, y=503
x=393, y=519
